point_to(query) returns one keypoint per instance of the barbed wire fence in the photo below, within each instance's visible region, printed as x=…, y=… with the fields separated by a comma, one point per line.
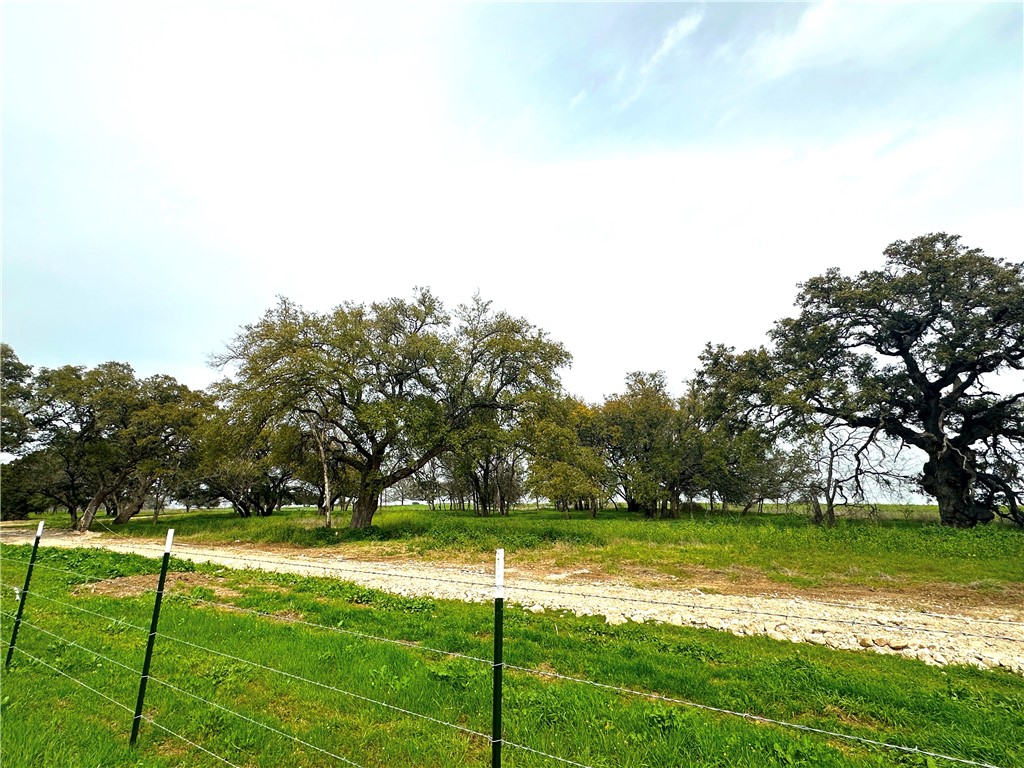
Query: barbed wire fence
x=495, y=739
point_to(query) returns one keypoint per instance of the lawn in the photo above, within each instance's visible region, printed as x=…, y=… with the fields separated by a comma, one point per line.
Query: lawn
x=311, y=659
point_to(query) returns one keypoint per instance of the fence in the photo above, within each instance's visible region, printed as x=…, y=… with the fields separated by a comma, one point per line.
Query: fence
x=495, y=739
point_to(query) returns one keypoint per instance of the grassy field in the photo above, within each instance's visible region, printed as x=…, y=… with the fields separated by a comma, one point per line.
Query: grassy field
x=49, y=720
x=719, y=552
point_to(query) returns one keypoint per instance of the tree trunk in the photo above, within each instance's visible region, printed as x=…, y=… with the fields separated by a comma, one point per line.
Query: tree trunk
x=130, y=506
x=817, y=516
x=949, y=476
x=363, y=510
x=328, y=496
x=85, y=521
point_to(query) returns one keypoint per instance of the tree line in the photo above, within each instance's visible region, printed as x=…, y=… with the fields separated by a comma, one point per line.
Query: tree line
x=466, y=409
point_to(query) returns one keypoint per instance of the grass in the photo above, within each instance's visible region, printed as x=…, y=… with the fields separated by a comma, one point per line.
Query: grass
x=49, y=720
x=712, y=550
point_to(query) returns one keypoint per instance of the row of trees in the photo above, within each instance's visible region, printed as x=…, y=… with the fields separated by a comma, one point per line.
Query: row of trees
x=465, y=408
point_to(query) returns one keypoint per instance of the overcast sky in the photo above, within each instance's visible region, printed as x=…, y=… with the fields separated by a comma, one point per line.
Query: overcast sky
x=635, y=179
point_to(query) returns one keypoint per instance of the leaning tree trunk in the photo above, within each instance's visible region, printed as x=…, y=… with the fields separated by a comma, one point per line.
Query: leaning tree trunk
x=85, y=521
x=949, y=476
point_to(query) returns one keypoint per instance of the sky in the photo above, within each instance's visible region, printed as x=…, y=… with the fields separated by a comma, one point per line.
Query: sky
x=635, y=179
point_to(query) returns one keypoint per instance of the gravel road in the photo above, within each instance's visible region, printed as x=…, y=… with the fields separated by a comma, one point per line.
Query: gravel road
x=979, y=637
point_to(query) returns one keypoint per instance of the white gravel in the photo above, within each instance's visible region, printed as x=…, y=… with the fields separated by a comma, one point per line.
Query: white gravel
x=981, y=638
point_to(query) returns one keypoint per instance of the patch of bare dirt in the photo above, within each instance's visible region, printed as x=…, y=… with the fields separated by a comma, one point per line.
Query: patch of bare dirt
x=134, y=586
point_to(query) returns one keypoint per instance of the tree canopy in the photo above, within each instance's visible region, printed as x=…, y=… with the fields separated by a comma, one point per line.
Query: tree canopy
x=387, y=387
x=913, y=351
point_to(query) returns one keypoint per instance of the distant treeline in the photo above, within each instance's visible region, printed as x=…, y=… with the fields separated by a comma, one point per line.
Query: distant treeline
x=467, y=408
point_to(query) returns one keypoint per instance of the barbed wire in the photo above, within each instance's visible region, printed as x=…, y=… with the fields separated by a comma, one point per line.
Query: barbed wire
x=200, y=747
x=544, y=754
x=752, y=717
x=89, y=580
x=91, y=613
x=747, y=716
x=511, y=587
x=248, y=719
x=340, y=630
x=111, y=699
x=325, y=686
x=125, y=707
x=97, y=654
x=951, y=616
x=488, y=585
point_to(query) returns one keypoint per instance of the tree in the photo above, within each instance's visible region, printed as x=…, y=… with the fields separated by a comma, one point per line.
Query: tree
x=252, y=466
x=566, y=466
x=636, y=431
x=910, y=351
x=16, y=390
x=387, y=387
x=24, y=484
x=105, y=437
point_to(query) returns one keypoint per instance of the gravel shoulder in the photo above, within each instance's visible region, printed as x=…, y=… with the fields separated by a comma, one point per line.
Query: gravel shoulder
x=983, y=636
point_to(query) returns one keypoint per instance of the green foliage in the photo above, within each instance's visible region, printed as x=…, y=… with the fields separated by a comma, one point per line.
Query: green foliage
x=384, y=389
x=16, y=386
x=907, y=351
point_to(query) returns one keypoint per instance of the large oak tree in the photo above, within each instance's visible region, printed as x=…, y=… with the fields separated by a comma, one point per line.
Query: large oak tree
x=914, y=351
x=387, y=387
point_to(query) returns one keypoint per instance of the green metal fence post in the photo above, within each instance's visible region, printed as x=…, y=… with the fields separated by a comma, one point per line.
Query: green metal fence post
x=23, y=595
x=152, y=638
x=499, y=664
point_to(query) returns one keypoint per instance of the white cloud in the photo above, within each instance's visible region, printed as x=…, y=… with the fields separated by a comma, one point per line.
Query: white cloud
x=832, y=33
x=578, y=99
x=674, y=35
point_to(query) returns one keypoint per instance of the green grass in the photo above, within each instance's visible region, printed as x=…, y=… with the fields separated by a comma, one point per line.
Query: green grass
x=49, y=720
x=784, y=549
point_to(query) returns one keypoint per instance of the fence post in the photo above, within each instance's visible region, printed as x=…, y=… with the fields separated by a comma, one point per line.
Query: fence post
x=152, y=637
x=23, y=595
x=499, y=664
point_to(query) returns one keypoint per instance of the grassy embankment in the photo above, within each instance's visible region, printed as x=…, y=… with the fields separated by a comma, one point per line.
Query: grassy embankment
x=48, y=720
x=722, y=552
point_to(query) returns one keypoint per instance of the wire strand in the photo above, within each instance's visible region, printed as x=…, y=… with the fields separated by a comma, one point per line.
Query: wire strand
x=364, y=635
x=325, y=686
x=544, y=754
x=511, y=588
x=748, y=716
x=91, y=613
x=200, y=747
x=97, y=654
x=270, y=728
x=125, y=707
x=112, y=700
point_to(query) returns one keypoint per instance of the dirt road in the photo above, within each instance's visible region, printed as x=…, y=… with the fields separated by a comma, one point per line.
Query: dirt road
x=982, y=636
